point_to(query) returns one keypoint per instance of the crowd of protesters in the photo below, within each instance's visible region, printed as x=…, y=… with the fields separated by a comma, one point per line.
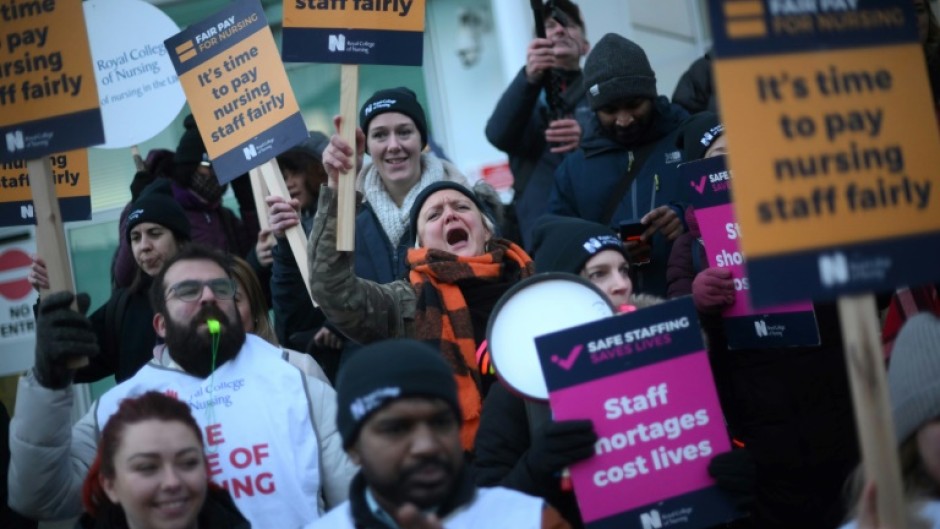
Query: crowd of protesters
x=379, y=406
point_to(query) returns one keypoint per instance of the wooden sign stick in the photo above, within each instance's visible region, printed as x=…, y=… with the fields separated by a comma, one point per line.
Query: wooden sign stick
x=865, y=363
x=346, y=213
x=295, y=236
x=259, y=191
x=50, y=235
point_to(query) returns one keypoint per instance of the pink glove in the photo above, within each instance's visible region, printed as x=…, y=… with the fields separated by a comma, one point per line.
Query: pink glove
x=713, y=290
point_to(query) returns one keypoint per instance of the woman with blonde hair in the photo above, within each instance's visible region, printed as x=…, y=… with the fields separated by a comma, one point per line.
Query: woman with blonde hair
x=253, y=311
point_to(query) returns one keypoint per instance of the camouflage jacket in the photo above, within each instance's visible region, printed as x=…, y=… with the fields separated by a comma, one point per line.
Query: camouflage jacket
x=363, y=310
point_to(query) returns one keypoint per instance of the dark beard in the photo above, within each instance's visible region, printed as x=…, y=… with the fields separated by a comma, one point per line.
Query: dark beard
x=400, y=490
x=193, y=351
x=628, y=136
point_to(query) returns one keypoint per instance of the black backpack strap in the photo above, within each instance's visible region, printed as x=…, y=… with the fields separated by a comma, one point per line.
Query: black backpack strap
x=636, y=162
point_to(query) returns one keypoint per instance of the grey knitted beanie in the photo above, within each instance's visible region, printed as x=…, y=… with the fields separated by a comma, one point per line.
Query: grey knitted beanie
x=914, y=375
x=617, y=68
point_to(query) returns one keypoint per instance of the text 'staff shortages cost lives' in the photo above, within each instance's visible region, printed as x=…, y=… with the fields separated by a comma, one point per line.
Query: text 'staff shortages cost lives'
x=833, y=144
x=237, y=88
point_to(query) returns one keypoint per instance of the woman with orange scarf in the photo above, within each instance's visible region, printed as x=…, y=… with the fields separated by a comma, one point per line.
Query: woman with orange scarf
x=457, y=272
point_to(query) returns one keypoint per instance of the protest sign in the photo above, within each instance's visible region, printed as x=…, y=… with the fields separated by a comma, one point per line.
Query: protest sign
x=354, y=32
x=48, y=97
x=139, y=92
x=644, y=380
x=72, y=187
x=825, y=105
x=745, y=327
x=17, y=297
x=237, y=88
x=828, y=113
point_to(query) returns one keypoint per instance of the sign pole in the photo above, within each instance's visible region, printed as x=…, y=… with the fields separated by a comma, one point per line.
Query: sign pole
x=295, y=235
x=865, y=364
x=346, y=214
x=50, y=235
x=259, y=191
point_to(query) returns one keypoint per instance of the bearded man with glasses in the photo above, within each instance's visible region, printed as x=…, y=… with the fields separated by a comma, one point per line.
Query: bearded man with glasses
x=270, y=430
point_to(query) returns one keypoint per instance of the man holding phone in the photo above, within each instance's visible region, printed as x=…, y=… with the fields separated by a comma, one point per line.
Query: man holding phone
x=625, y=174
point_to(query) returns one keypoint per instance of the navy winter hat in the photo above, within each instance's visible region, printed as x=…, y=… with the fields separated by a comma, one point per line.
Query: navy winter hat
x=617, y=69
x=191, y=148
x=565, y=244
x=699, y=132
x=386, y=371
x=156, y=204
x=312, y=146
x=401, y=100
x=434, y=187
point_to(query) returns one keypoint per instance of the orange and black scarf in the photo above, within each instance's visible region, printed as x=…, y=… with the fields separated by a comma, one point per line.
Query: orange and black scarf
x=442, y=314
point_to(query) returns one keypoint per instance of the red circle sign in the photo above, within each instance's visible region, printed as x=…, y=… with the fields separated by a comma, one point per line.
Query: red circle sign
x=14, y=269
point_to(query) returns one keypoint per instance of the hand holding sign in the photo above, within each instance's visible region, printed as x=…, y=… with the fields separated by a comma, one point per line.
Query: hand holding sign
x=38, y=275
x=62, y=336
x=338, y=154
x=713, y=290
x=282, y=214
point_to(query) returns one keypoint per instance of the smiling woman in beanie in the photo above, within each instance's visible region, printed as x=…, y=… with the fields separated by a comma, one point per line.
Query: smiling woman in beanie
x=156, y=228
x=394, y=132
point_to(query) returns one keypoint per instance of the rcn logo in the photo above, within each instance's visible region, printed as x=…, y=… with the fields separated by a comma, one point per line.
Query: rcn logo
x=337, y=42
x=760, y=327
x=833, y=269
x=15, y=141
x=651, y=520
x=250, y=152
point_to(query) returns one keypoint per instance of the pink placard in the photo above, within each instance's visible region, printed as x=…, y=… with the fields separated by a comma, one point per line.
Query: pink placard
x=721, y=236
x=658, y=427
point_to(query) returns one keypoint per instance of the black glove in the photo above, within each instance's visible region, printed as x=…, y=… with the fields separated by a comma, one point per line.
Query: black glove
x=559, y=444
x=62, y=334
x=736, y=475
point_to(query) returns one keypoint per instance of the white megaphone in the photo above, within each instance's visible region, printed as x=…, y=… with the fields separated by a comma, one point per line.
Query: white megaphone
x=538, y=305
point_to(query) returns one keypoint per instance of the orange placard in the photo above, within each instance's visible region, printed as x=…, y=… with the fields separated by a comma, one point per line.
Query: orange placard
x=831, y=147
x=237, y=88
x=48, y=94
x=72, y=187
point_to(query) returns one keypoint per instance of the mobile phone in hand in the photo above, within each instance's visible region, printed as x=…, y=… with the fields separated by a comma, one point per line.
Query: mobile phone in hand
x=631, y=232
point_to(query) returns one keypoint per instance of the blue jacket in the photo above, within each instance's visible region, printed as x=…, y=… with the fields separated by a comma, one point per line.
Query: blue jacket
x=376, y=259
x=587, y=177
x=517, y=127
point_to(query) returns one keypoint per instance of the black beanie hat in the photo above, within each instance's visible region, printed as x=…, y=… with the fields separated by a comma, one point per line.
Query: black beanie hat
x=567, y=8
x=401, y=100
x=312, y=146
x=699, y=132
x=434, y=187
x=616, y=69
x=157, y=205
x=191, y=148
x=564, y=244
x=385, y=371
